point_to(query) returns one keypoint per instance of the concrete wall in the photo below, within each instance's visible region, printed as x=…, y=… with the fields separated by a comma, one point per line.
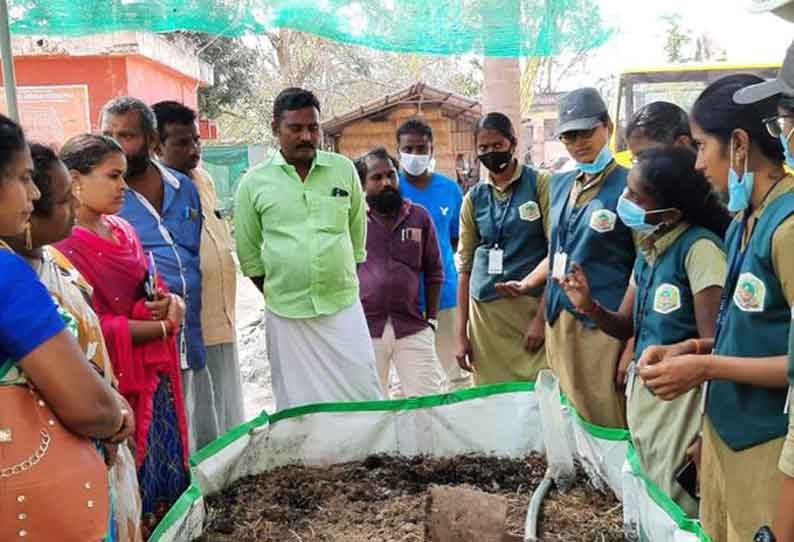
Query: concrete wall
x=153, y=82
x=106, y=77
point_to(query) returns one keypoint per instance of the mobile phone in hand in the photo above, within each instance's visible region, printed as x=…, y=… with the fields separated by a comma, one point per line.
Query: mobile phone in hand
x=150, y=279
x=687, y=478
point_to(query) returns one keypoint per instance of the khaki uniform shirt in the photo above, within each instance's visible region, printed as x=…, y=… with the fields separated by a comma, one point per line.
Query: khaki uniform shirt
x=218, y=270
x=469, y=235
x=706, y=263
x=585, y=359
x=662, y=431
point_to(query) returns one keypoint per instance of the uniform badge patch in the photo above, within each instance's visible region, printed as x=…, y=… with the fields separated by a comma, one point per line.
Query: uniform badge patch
x=603, y=220
x=667, y=299
x=529, y=211
x=750, y=293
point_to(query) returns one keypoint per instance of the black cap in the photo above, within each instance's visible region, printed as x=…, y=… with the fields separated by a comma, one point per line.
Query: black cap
x=581, y=109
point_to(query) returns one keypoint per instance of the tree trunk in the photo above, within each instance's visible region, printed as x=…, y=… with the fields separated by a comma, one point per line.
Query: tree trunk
x=502, y=93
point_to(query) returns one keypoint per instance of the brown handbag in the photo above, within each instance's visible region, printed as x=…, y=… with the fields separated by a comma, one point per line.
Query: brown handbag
x=53, y=483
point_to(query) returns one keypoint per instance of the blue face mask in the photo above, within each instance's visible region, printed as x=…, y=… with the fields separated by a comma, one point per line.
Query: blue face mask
x=599, y=164
x=633, y=216
x=784, y=141
x=740, y=189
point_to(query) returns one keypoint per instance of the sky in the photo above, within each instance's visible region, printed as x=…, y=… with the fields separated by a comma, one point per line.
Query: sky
x=639, y=38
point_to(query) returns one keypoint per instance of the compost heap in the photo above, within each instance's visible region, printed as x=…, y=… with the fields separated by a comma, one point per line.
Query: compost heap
x=382, y=499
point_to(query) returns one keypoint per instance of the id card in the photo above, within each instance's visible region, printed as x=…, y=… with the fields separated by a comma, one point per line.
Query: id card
x=559, y=265
x=631, y=377
x=496, y=258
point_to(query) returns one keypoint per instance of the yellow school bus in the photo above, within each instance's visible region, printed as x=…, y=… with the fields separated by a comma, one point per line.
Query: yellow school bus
x=680, y=84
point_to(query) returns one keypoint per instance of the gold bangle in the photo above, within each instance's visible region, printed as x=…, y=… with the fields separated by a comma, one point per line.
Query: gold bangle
x=697, y=346
x=165, y=330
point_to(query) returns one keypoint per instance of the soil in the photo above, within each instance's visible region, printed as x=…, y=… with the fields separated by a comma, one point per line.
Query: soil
x=382, y=499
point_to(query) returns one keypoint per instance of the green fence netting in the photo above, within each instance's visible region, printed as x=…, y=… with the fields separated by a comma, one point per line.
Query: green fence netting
x=504, y=28
x=226, y=165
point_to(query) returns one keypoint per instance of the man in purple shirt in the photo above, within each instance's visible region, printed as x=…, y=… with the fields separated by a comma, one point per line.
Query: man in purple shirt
x=402, y=249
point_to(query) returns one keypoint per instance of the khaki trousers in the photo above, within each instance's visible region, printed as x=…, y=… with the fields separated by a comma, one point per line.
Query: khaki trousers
x=456, y=378
x=738, y=490
x=585, y=361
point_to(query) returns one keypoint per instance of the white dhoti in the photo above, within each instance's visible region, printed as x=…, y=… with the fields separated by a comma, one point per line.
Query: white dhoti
x=322, y=359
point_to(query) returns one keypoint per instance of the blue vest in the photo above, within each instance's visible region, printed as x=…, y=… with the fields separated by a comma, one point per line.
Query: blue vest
x=595, y=238
x=664, y=307
x=791, y=351
x=755, y=324
x=522, y=240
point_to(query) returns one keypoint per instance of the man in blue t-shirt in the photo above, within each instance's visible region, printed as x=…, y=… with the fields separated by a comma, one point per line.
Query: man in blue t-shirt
x=442, y=197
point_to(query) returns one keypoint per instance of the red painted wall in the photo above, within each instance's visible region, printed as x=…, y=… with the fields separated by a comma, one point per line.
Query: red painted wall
x=153, y=82
x=108, y=77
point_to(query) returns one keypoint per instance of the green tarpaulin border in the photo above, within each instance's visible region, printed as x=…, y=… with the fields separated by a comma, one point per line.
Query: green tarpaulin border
x=193, y=493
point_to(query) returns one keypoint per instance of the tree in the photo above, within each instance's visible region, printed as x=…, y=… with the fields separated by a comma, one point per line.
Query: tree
x=677, y=38
x=683, y=44
x=235, y=65
x=575, y=37
x=342, y=76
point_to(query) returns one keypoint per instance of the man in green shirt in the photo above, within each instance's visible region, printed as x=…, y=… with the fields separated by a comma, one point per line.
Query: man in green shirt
x=300, y=232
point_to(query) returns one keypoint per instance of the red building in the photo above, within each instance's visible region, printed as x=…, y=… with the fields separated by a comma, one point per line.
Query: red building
x=64, y=82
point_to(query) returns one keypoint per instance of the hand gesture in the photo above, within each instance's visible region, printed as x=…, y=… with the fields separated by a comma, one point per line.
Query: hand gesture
x=513, y=288
x=128, y=421
x=159, y=307
x=535, y=335
x=463, y=353
x=674, y=376
x=656, y=353
x=622, y=369
x=176, y=312
x=577, y=288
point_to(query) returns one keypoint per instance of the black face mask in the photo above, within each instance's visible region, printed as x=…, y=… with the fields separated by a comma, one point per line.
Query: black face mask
x=387, y=202
x=497, y=161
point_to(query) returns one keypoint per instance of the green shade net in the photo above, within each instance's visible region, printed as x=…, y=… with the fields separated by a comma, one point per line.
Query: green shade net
x=226, y=165
x=505, y=28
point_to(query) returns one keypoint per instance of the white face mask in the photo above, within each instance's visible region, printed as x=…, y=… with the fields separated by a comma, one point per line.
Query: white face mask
x=414, y=164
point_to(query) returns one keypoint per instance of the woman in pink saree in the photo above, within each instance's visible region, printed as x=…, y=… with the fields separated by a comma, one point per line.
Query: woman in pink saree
x=139, y=332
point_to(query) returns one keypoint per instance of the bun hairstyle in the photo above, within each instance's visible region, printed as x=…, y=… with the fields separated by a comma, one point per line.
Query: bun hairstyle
x=44, y=159
x=668, y=175
x=662, y=122
x=717, y=114
x=84, y=152
x=12, y=141
x=499, y=122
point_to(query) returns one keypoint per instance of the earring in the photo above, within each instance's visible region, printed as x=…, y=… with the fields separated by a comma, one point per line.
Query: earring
x=28, y=237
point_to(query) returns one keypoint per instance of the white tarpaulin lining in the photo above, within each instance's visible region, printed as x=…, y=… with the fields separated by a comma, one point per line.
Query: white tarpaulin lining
x=502, y=420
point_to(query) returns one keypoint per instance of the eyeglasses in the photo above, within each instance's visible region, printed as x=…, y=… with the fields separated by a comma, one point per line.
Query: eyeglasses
x=777, y=125
x=574, y=135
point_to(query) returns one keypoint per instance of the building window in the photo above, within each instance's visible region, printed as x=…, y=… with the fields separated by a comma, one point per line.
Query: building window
x=530, y=133
x=549, y=129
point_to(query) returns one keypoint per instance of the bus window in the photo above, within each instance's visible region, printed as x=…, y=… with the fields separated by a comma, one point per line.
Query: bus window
x=679, y=85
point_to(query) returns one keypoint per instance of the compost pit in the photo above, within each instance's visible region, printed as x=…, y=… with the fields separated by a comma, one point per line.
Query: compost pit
x=382, y=499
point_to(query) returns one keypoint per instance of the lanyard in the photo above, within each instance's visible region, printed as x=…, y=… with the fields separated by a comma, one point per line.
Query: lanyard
x=569, y=212
x=492, y=204
x=733, y=275
x=644, y=302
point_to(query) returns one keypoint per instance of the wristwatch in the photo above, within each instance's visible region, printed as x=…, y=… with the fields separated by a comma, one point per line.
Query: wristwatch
x=433, y=322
